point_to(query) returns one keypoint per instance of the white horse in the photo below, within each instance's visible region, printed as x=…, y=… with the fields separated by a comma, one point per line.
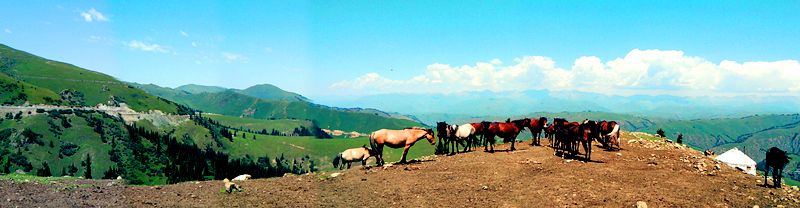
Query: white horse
x=464, y=132
x=351, y=155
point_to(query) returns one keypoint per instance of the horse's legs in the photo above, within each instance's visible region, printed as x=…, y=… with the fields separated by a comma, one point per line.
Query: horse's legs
x=766, y=172
x=405, y=152
x=379, y=156
x=513, y=140
x=348, y=164
x=777, y=177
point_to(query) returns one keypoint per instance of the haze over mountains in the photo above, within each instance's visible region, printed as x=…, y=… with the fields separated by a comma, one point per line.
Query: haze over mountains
x=484, y=103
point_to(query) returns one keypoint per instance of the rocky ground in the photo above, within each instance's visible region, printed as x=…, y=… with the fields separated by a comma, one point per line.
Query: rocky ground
x=655, y=173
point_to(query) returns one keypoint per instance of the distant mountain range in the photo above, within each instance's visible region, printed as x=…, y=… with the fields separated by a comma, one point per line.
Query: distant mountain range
x=517, y=103
x=263, y=91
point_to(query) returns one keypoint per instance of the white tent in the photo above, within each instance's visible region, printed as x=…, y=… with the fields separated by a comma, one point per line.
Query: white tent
x=738, y=160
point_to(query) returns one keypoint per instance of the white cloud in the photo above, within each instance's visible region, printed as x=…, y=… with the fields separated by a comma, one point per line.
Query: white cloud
x=640, y=72
x=233, y=57
x=194, y=44
x=184, y=34
x=7, y=30
x=139, y=45
x=93, y=15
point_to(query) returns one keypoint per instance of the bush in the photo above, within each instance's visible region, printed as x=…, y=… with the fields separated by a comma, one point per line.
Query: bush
x=660, y=133
x=68, y=149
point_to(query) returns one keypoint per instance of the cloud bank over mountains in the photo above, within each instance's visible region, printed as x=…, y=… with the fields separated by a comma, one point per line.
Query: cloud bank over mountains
x=640, y=72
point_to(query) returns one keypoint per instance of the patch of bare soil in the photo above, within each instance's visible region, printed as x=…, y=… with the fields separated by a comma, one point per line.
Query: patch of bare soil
x=656, y=173
x=63, y=193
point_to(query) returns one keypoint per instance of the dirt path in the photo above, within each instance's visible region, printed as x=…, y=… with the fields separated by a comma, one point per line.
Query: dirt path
x=656, y=173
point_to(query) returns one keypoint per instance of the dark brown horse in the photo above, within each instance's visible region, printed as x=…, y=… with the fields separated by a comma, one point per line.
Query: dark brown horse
x=506, y=130
x=777, y=160
x=478, y=137
x=561, y=140
x=398, y=139
x=536, y=127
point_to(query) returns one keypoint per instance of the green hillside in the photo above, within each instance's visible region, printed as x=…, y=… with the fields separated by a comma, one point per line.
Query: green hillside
x=233, y=103
x=73, y=85
x=271, y=92
x=193, y=88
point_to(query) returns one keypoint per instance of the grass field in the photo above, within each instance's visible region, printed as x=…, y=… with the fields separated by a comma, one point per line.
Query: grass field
x=322, y=150
x=282, y=125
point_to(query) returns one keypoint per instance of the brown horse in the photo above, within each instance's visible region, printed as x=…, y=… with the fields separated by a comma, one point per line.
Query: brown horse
x=609, y=133
x=582, y=134
x=560, y=132
x=536, y=127
x=398, y=139
x=507, y=130
x=479, y=138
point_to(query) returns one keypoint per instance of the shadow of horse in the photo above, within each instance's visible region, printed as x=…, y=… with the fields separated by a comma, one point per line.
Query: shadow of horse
x=415, y=161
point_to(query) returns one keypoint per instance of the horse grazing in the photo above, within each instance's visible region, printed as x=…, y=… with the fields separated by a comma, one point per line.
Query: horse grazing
x=777, y=160
x=536, y=127
x=609, y=132
x=351, y=155
x=507, y=130
x=404, y=138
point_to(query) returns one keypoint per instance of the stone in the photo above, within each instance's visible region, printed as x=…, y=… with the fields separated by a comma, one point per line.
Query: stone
x=641, y=204
x=485, y=188
x=334, y=175
x=19, y=171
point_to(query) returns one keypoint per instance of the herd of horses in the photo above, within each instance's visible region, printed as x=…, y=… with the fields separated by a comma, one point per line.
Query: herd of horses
x=565, y=137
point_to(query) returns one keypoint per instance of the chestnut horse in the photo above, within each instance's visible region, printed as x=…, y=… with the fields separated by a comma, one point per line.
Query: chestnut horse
x=398, y=139
x=507, y=130
x=583, y=134
x=478, y=137
x=536, y=127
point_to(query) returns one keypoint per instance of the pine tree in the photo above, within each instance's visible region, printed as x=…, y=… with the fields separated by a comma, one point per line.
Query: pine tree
x=88, y=164
x=680, y=139
x=45, y=171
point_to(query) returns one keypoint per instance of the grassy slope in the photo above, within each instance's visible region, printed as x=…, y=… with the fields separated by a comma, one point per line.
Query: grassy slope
x=282, y=125
x=321, y=150
x=80, y=134
x=34, y=94
x=232, y=103
x=96, y=87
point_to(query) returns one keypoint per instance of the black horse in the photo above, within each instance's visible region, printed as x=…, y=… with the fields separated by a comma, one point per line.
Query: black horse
x=776, y=159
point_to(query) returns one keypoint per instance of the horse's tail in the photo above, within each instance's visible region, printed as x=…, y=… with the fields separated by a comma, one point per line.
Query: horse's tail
x=372, y=143
x=337, y=160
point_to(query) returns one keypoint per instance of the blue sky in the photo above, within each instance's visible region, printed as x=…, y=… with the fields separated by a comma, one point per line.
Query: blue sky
x=368, y=47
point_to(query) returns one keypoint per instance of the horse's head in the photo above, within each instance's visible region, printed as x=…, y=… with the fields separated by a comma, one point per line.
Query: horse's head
x=521, y=123
x=542, y=122
x=429, y=136
x=442, y=129
x=485, y=125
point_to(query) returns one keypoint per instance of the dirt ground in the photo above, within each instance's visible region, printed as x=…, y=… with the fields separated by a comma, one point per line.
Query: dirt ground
x=657, y=173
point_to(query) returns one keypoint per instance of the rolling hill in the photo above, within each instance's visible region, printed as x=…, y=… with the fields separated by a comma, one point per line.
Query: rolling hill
x=233, y=102
x=52, y=82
